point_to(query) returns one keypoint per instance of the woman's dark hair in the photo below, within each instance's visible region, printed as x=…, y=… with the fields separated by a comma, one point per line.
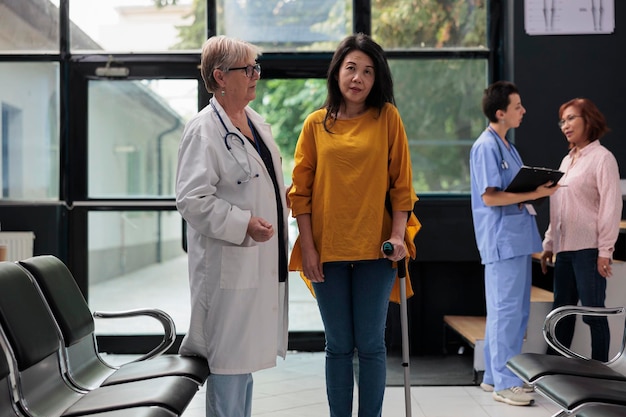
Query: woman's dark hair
x=497, y=97
x=382, y=90
x=595, y=122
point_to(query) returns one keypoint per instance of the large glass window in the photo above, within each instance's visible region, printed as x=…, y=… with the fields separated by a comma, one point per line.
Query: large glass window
x=403, y=24
x=287, y=25
x=29, y=131
x=284, y=104
x=136, y=25
x=439, y=101
x=134, y=130
x=136, y=260
x=27, y=25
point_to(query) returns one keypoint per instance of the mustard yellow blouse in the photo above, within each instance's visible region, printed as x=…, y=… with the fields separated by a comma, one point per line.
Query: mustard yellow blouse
x=342, y=178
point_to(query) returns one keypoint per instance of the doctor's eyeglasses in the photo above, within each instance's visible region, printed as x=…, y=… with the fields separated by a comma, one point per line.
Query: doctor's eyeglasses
x=250, y=69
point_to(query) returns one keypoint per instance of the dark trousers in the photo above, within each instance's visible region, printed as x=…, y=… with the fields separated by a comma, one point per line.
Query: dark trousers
x=576, y=278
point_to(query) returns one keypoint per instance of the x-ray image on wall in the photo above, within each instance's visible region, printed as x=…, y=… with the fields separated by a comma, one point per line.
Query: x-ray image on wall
x=569, y=17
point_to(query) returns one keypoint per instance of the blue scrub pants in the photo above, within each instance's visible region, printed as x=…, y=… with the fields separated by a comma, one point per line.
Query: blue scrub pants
x=507, y=292
x=353, y=302
x=576, y=277
x=229, y=395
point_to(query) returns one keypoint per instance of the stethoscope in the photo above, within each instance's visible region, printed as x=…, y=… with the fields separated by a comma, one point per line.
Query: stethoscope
x=229, y=136
x=496, y=137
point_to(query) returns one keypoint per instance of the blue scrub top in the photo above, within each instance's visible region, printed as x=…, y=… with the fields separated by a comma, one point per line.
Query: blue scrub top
x=502, y=232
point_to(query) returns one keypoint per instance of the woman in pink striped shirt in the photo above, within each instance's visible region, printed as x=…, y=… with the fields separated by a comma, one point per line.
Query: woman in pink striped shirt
x=584, y=222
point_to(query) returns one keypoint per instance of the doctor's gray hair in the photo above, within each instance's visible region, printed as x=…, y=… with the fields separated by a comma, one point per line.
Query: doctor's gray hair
x=222, y=52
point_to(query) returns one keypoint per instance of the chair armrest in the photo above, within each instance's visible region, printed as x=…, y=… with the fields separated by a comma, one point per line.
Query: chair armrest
x=549, y=326
x=169, y=328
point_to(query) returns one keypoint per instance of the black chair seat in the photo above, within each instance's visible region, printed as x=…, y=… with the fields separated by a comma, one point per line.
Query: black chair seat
x=532, y=366
x=570, y=391
x=136, y=412
x=193, y=367
x=171, y=393
x=602, y=410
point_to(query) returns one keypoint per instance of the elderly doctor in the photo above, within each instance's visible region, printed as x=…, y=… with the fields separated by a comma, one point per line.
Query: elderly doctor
x=230, y=191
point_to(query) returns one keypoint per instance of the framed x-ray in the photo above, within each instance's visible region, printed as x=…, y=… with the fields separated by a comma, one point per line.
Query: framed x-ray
x=569, y=17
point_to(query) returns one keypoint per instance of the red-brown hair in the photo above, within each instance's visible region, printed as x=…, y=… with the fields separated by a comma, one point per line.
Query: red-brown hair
x=595, y=122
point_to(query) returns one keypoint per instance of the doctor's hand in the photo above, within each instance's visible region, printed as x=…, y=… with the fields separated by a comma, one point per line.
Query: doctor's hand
x=547, y=189
x=259, y=229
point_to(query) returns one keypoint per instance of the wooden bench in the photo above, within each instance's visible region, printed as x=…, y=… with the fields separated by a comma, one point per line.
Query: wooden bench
x=472, y=328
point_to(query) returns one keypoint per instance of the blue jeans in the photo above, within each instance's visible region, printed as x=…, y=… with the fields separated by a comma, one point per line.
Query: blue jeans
x=576, y=278
x=353, y=302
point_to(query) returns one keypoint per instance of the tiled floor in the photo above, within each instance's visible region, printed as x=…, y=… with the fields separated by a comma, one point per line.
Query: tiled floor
x=295, y=388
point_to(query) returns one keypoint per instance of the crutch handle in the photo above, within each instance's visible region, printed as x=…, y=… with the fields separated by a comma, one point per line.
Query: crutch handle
x=388, y=250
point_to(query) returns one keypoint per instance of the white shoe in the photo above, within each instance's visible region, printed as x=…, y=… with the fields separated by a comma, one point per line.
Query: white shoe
x=489, y=388
x=513, y=396
x=486, y=387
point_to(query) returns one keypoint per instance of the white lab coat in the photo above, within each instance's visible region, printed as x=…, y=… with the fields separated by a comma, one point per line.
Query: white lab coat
x=238, y=307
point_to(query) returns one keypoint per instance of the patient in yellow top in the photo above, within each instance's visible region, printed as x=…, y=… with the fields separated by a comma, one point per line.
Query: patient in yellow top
x=351, y=156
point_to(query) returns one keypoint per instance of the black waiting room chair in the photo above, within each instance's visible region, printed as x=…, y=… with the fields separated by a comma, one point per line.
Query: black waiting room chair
x=9, y=405
x=578, y=385
x=30, y=340
x=85, y=367
x=530, y=367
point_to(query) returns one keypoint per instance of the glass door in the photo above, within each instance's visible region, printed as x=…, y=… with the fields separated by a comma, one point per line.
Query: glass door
x=135, y=253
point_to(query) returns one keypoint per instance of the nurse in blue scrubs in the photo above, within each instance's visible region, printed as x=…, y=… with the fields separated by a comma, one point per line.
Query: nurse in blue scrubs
x=506, y=235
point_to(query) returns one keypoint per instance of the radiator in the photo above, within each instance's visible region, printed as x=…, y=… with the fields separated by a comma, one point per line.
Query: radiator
x=19, y=245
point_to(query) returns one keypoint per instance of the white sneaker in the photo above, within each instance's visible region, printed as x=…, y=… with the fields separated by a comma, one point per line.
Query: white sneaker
x=486, y=387
x=513, y=396
x=489, y=388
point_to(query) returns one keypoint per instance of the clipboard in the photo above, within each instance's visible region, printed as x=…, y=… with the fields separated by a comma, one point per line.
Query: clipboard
x=529, y=178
